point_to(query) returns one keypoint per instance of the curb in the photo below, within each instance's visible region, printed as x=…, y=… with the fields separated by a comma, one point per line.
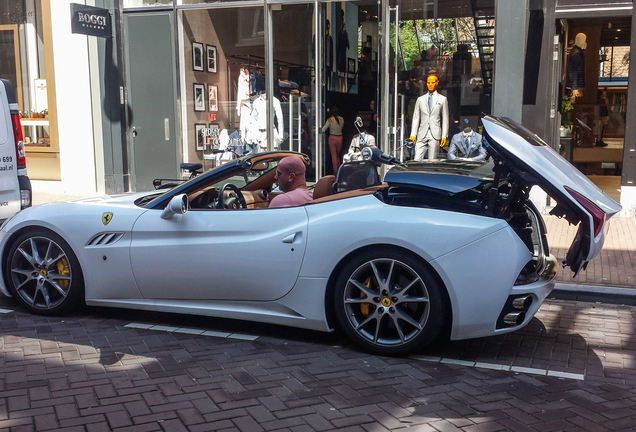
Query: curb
x=594, y=294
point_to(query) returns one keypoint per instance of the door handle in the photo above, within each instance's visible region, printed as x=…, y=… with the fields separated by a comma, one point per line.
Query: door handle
x=290, y=238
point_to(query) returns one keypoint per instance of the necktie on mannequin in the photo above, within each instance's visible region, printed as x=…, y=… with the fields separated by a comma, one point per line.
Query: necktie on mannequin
x=430, y=102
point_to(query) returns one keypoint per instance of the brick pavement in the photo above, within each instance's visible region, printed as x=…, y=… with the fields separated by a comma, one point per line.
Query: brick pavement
x=87, y=372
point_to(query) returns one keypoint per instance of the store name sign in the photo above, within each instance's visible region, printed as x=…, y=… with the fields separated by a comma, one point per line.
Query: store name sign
x=91, y=21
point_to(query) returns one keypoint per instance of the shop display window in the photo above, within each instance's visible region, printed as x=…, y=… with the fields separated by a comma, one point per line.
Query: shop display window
x=595, y=93
x=223, y=97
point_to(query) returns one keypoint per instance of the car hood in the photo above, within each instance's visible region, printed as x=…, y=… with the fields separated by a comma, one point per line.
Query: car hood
x=121, y=199
x=530, y=156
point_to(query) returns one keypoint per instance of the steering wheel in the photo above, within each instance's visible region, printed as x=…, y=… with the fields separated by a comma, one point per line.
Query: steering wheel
x=235, y=202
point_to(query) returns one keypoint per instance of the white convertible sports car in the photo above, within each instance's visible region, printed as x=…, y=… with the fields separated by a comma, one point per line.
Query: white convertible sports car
x=446, y=246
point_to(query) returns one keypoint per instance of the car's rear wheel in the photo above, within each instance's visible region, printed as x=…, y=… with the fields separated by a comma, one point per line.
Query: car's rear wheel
x=43, y=273
x=389, y=303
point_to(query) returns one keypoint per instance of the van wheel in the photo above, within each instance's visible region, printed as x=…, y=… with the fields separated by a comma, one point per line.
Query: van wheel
x=44, y=274
x=388, y=303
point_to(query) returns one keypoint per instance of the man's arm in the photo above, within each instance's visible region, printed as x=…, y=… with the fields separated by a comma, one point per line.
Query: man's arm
x=281, y=200
x=452, y=150
x=483, y=154
x=445, y=120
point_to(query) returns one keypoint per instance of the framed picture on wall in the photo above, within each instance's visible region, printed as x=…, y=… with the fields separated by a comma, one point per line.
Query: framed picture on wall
x=199, y=97
x=199, y=134
x=211, y=57
x=197, y=56
x=351, y=66
x=213, y=93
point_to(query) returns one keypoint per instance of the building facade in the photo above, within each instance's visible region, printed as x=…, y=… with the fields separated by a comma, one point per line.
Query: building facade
x=178, y=79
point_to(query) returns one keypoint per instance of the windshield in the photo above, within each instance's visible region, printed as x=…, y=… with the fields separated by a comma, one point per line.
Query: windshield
x=235, y=175
x=245, y=178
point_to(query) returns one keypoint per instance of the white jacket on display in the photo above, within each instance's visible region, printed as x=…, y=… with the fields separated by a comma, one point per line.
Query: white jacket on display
x=245, y=125
x=243, y=91
x=280, y=123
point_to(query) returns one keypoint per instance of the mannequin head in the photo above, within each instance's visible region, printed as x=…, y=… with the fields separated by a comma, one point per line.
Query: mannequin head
x=431, y=83
x=580, y=40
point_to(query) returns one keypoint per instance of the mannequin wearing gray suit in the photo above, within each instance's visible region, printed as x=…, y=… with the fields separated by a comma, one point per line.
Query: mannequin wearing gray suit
x=467, y=146
x=430, y=124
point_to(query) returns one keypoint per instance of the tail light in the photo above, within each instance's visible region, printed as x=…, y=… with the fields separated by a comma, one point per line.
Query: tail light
x=19, y=140
x=598, y=215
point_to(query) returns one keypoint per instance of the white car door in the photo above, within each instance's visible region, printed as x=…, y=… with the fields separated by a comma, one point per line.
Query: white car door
x=219, y=254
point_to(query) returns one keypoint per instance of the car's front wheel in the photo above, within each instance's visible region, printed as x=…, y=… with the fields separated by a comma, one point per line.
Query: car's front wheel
x=389, y=303
x=43, y=273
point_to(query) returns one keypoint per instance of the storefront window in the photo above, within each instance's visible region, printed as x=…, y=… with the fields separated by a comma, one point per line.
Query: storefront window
x=457, y=49
x=595, y=93
x=294, y=98
x=22, y=64
x=224, y=104
x=145, y=3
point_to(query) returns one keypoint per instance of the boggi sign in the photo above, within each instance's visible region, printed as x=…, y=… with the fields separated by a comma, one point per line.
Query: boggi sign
x=90, y=21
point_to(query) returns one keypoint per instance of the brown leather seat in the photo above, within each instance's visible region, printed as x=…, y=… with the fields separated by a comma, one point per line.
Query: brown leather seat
x=324, y=186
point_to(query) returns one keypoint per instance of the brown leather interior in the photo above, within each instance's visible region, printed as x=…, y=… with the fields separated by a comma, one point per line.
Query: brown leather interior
x=324, y=186
x=350, y=194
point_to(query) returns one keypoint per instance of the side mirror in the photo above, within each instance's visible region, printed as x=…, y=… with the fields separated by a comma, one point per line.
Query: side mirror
x=177, y=205
x=359, y=122
x=408, y=143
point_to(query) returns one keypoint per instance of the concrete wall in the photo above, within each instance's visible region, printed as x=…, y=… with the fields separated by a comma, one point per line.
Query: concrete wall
x=73, y=102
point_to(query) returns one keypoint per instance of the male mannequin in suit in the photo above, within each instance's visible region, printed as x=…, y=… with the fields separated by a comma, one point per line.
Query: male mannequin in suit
x=430, y=122
x=467, y=145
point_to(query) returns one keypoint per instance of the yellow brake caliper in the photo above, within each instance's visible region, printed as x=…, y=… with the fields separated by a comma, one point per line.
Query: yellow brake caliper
x=364, y=307
x=62, y=269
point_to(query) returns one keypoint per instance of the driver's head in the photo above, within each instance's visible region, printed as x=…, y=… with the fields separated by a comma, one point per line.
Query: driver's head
x=290, y=173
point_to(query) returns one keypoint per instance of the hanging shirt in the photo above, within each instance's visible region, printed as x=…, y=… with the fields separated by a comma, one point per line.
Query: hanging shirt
x=257, y=81
x=279, y=121
x=243, y=91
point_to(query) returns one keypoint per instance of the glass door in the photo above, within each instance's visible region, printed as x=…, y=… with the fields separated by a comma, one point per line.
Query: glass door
x=294, y=100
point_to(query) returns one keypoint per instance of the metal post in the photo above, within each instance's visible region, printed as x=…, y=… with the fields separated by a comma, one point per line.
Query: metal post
x=395, y=77
x=269, y=77
x=290, y=124
x=318, y=86
x=300, y=123
x=386, y=51
x=401, y=128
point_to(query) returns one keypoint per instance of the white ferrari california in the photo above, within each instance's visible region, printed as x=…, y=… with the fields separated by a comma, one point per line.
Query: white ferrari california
x=447, y=246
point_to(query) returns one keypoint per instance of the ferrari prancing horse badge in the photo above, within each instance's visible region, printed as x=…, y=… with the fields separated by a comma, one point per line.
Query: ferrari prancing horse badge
x=106, y=218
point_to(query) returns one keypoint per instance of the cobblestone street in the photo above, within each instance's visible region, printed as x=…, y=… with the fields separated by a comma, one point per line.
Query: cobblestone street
x=572, y=368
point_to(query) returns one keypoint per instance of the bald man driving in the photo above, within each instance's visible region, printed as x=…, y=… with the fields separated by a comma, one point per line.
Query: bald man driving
x=290, y=174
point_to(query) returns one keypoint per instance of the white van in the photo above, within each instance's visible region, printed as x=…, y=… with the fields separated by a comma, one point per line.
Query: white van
x=15, y=186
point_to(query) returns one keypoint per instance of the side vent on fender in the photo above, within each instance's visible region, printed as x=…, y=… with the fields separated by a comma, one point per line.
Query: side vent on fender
x=105, y=239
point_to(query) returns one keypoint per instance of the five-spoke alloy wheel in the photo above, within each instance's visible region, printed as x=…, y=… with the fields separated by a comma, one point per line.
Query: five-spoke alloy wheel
x=389, y=303
x=43, y=273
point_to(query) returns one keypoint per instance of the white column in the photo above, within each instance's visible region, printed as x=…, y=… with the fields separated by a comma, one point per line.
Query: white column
x=510, y=43
x=73, y=97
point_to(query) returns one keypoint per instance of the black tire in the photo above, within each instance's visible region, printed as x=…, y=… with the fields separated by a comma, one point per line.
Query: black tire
x=48, y=281
x=389, y=303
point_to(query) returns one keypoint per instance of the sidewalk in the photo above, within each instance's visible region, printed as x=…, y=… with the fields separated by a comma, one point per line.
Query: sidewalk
x=616, y=264
x=614, y=267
